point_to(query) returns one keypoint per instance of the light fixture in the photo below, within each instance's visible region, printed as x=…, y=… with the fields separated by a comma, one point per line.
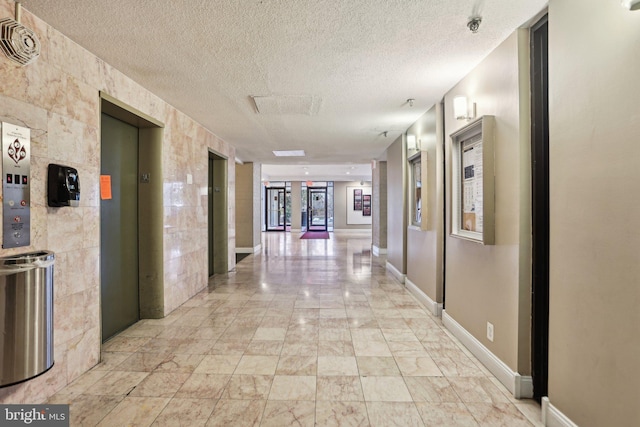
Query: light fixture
x=461, y=108
x=385, y=133
x=410, y=101
x=289, y=153
x=411, y=142
x=631, y=4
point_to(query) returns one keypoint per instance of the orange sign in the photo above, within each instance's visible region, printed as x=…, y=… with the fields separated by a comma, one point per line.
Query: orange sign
x=105, y=187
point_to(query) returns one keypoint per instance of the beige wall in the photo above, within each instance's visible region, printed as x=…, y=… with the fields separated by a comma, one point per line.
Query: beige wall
x=594, y=340
x=340, y=205
x=248, y=211
x=379, y=205
x=58, y=98
x=244, y=205
x=425, y=244
x=257, y=205
x=296, y=206
x=483, y=283
x=396, y=212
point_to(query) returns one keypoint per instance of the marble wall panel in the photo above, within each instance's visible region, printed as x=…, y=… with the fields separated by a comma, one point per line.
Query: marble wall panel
x=58, y=98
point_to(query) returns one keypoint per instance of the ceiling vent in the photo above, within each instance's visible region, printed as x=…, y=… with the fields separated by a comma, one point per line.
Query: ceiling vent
x=17, y=42
x=306, y=105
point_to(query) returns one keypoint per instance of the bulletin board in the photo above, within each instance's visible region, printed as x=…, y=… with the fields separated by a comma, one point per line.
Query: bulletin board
x=472, y=189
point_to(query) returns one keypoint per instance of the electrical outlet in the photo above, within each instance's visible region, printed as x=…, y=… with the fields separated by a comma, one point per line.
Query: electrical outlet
x=490, y=331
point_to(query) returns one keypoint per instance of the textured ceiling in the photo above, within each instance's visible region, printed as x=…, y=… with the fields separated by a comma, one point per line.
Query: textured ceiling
x=335, y=74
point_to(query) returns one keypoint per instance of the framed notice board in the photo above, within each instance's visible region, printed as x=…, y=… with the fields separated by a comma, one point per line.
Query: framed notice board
x=472, y=185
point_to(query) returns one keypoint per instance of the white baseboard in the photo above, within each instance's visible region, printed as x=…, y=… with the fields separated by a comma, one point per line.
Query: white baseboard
x=253, y=250
x=393, y=270
x=431, y=305
x=521, y=387
x=552, y=417
x=377, y=251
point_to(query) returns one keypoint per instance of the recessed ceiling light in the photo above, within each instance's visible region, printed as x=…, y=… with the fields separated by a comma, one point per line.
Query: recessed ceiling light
x=289, y=153
x=348, y=173
x=306, y=173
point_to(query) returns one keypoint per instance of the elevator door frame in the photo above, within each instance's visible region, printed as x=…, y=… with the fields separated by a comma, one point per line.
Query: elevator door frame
x=150, y=205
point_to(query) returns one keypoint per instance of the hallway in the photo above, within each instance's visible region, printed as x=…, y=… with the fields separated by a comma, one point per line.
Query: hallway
x=308, y=332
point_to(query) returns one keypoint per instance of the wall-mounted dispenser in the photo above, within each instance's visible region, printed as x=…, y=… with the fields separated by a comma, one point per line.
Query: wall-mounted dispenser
x=63, y=186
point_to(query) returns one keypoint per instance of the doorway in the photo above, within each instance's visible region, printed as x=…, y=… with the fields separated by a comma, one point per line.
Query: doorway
x=218, y=217
x=540, y=207
x=317, y=209
x=276, y=209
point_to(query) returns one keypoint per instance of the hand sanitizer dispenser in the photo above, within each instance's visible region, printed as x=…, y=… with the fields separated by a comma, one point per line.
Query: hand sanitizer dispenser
x=63, y=186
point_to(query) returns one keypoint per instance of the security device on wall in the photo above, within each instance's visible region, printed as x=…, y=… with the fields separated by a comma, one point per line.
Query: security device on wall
x=63, y=186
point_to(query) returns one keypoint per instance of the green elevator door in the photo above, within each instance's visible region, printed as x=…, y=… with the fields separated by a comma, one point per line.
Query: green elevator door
x=119, y=227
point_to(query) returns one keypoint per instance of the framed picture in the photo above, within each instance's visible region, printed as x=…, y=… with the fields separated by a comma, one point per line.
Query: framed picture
x=366, y=205
x=357, y=199
x=472, y=191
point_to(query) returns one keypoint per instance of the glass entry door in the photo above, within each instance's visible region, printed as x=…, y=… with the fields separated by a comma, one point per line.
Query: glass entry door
x=276, y=209
x=317, y=209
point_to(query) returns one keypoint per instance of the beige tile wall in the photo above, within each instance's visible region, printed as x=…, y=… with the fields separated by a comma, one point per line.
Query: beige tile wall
x=57, y=97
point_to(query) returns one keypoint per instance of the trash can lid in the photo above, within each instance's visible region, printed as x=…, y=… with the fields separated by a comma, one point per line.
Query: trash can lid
x=29, y=258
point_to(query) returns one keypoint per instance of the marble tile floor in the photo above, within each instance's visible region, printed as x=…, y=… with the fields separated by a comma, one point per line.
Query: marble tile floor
x=309, y=332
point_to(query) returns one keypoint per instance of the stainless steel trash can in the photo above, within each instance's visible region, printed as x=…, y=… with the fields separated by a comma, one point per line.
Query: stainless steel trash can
x=26, y=316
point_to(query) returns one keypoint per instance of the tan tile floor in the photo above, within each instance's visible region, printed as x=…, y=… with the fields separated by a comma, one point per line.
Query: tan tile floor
x=310, y=332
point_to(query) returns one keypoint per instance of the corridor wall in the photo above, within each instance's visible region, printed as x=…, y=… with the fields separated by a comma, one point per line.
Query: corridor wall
x=396, y=209
x=594, y=343
x=248, y=207
x=341, y=205
x=425, y=244
x=492, y=283
x=58, y=98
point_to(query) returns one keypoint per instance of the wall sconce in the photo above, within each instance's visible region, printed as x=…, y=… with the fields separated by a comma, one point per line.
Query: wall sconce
x=631, y=4
x=461, y=108
x=411, y=142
